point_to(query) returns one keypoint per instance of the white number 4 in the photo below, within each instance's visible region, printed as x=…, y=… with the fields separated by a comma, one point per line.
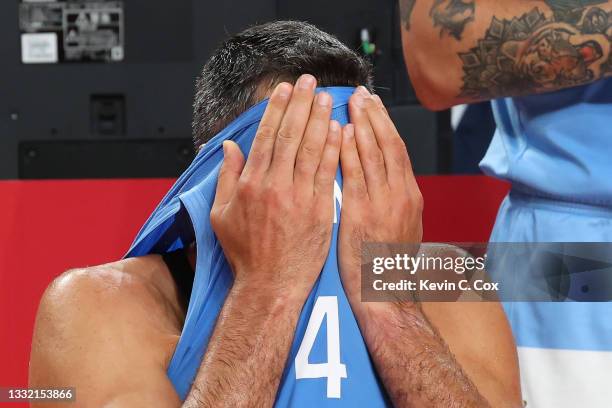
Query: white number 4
x=333, y=369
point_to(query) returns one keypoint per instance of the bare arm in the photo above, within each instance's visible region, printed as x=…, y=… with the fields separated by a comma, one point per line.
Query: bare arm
x=247, y=353
x=429, y=354
x=450, y=354
x=462, y=51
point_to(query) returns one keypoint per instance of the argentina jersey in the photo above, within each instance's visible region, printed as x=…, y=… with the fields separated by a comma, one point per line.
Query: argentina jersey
x=555, y=149
x=328, y=363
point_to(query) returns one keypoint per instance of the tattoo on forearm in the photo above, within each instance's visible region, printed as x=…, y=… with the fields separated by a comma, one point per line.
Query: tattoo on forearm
x=406, y=7
x=452, y=16
x=533, y=53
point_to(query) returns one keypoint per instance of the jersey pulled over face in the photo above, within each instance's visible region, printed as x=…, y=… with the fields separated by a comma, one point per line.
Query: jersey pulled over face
x=328, y=363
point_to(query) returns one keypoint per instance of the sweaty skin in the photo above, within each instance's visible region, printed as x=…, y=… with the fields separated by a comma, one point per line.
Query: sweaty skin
x=110, y=330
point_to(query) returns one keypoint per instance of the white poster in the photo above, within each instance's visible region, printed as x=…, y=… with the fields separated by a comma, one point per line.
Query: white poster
x=39, y=48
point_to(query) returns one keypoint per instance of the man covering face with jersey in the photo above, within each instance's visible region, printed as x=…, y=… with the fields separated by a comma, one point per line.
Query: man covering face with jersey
x=243, y=287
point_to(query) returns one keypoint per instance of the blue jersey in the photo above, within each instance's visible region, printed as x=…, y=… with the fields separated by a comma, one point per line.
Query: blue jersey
x=556, y=149
x=556, y=145
x=328, y=364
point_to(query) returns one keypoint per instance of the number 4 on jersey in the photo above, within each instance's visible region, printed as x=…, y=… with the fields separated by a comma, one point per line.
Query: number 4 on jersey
x=333, y=369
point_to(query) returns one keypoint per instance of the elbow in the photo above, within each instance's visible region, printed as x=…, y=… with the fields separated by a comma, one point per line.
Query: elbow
x=430, y=99
x=429, y=80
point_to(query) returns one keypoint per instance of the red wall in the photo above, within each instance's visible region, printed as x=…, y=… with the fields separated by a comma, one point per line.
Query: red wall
x=47, y=227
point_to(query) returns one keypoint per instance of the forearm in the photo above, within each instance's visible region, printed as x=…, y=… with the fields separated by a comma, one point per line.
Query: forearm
x=460, y=51
x=415, y=364
x=247, y=351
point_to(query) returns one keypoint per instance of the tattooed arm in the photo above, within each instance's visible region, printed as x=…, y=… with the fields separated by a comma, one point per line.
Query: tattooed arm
x=460, y=51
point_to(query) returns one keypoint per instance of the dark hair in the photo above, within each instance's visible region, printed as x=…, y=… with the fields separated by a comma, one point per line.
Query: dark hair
x=265, y=55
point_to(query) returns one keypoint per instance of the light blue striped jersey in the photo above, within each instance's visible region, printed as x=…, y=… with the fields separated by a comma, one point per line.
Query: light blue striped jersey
x=556, y=150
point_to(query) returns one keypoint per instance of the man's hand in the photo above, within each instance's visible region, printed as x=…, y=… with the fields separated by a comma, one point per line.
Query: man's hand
x=273, y=217
x=381, y=199
x=427, y=355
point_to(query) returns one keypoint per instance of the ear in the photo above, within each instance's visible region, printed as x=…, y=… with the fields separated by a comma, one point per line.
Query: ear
x=511, y=50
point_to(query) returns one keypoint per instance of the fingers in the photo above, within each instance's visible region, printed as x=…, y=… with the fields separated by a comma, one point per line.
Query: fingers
x=326, y=173
x=397, y=162
x=354, y=182
x=399, y=153
x=231, y=169
x=380, y=104
x=370, y=154
x=292, y=128
x=262, y=149
x=310, y=152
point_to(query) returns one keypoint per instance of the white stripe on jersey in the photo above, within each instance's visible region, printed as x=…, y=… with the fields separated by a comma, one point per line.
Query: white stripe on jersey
x=552, y=378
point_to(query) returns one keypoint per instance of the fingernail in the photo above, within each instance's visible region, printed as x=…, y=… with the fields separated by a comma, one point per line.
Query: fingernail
x=334, y=126
x=306, y=81
x=349, y=131
x=359, y=100
x=324, y=99
x=224, y=148
x=363, y=91
x=284, y=90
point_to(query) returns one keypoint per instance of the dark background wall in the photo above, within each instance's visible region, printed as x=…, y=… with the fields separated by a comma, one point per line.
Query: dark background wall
x=132, y=118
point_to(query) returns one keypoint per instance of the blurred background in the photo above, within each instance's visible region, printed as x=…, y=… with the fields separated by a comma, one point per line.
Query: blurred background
x=103, y=89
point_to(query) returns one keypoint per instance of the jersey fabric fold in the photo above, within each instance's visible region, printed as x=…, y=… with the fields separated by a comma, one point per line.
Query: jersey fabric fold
x=555, y=149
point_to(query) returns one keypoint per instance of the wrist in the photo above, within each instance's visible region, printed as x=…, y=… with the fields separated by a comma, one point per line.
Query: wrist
x=267, y=295
x=381, y=322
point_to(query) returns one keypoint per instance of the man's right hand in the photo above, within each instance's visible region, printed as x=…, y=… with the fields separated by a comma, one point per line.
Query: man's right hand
x=273, y=215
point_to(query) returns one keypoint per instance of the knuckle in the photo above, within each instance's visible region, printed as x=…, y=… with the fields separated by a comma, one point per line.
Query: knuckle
x=246, y=189
x=398, y=160
x=404, y=205
x=304, y=167
x=285, y=134
x=256, y=156
x=375, y=157
x=399, y=143
x=265, y=132
x=324, y=178
x=272, y=194
x=358, y=188
x=399, y=147
x=396, y=143
x=356, y=173
x=310, y=151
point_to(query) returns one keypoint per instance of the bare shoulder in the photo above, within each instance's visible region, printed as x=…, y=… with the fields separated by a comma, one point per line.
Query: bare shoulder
x=96, y=325
x=132, y=289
